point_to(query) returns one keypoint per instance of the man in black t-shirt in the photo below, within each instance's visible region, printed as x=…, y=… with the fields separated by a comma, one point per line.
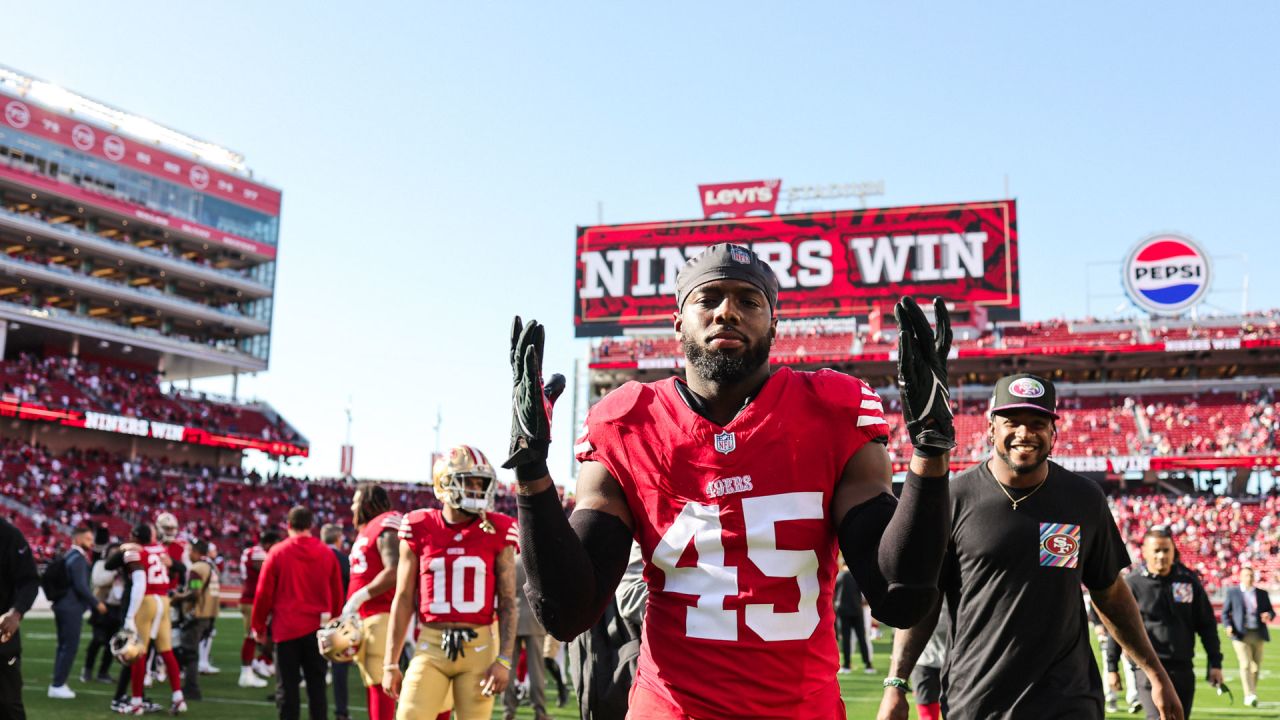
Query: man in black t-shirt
x=1025, y=535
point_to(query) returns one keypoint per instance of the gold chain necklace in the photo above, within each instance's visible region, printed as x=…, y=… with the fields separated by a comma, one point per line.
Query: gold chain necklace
x=1024, y=497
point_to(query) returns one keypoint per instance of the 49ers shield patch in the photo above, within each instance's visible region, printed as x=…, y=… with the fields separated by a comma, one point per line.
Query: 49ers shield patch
x=1059, y=545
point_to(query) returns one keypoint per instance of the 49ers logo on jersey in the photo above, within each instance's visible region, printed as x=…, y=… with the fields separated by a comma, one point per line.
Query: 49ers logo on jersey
x=1059, y=545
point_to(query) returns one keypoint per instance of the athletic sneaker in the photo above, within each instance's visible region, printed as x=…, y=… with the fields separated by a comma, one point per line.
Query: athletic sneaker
x=1112, y=707
x=61, y=692
x=868, y=670
x=208, y=669
x=178, y=707
x=250, y=679
x=843, y=670
x=1250, y=700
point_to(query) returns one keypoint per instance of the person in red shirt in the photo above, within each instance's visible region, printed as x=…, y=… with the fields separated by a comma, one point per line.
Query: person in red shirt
x=458, y=561
x=299, y=590
x=251, y=565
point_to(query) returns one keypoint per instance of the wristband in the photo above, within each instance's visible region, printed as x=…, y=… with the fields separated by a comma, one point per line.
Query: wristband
x=529, y=472
x=391, y=666
x=504, y=661
x=897, y=682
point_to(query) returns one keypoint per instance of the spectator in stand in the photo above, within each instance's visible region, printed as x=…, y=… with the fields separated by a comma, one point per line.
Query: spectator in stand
x=299, y=590
x=19, y=584
x=69, y=609
x=331, y=535
x=1245, y=614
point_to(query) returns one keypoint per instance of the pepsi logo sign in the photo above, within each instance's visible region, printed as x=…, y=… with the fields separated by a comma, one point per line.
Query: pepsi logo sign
x=82, y=137
x=1027, y=388
x=1166, y=273
x=17, y=114
x=1061, y=544
x=113, y=147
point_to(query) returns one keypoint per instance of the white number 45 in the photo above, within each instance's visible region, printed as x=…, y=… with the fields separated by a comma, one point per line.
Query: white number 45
x=711, y=581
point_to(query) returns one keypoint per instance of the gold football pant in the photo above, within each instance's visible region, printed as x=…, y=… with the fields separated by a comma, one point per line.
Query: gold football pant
x=431, y=675
x=153, y=623
x=370, y=657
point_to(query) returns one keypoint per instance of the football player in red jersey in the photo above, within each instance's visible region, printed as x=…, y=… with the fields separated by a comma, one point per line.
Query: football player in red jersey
x=251, y=565
x=458, y=561
x=764, y=473
x=148, y=614
x=374, y=557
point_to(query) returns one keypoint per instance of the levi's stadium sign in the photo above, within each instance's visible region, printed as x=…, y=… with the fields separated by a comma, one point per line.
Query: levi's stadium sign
x=736, y=199
x=1166, y=274
x=829, y=264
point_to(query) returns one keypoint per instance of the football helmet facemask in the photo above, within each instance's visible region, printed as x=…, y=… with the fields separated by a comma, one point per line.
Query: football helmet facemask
x=126, y=646
x=167, y=527
x=340, y=640
x=450, y=476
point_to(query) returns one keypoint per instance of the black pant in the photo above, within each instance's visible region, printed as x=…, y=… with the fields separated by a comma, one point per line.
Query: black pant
x=296, y=659
x=340, y=671
x=190, y=646
x=11, y=707
x=104, y=626
x=1184, y=684
x=854, y=623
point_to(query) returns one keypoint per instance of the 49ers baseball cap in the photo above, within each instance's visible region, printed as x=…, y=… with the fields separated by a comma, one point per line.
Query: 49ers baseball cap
x=726, y=262
x=1024, y=392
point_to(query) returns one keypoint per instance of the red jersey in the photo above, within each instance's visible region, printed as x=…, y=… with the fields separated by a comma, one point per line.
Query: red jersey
x=177, y=553
x=251, y=564
x=739, y=544
x=155, y=561
x=456, y=565
x=366, y=562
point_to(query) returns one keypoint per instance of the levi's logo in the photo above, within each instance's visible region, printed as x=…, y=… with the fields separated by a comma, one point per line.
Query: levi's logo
x=734, y=196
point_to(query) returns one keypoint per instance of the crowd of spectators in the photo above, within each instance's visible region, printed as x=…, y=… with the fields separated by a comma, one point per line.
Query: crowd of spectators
x=1215, y=535
x=48, y=493
x=68, y=383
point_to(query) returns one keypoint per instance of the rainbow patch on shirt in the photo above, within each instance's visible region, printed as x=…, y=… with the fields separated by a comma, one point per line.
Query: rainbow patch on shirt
x=1059, y=545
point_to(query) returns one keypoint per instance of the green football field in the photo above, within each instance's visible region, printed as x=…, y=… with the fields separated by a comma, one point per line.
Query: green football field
x=225, y=701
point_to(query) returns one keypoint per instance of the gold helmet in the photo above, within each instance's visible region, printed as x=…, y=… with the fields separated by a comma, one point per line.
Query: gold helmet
x=450, y=476
x=167, y=527
x=126, y=646
x=340, y=640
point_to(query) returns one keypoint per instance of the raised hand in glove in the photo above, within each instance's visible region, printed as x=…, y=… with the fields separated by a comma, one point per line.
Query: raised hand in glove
x=531, y=402
x=922, y=377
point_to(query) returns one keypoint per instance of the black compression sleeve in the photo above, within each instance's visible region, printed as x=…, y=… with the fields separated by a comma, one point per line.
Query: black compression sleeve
x=572, y=565
x=895, y=548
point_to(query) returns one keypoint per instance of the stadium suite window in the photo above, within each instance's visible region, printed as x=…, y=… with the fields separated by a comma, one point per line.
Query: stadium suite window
x=140, y=188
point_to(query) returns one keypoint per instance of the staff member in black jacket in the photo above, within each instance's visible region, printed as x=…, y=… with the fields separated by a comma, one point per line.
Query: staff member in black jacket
x=19, y=583
x=848, y=602
x=1175, y=608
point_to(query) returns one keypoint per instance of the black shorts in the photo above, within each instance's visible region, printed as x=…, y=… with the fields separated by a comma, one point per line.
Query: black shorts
x=927, y=683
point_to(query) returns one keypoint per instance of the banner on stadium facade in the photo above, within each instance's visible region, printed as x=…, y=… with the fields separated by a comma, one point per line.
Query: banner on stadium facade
x=103, y=143
x=10, y=406
x=348, y=460
x=829, y=264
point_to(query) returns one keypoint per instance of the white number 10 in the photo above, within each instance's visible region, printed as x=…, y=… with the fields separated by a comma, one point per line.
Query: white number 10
x=711, y=581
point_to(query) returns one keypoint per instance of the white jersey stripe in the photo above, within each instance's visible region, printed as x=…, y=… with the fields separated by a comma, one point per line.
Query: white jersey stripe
x=865, y=420
x=872, y=405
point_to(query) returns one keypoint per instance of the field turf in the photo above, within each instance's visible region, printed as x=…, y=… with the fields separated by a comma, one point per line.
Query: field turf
x=225, y=701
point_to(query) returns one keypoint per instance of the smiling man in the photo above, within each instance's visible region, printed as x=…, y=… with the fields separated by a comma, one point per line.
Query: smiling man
x=738, y=482
x=1025, y=535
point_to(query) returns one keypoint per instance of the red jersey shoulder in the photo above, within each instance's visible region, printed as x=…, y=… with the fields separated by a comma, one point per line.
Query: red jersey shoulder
x=848, y=395
x=505, y=527
x=612, y=408
x=389, y=520
x=416, y=527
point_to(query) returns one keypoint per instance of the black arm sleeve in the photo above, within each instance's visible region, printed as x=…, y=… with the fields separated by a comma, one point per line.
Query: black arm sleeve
x=1207, y=627
x=26, y=582
x=572, y=565
x=895, y=548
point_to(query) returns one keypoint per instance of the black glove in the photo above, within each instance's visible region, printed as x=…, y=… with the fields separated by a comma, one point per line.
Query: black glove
x=531, y=402
x=922, y=377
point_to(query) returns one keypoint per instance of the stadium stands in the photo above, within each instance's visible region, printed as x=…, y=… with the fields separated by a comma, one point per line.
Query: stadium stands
x=62, y=383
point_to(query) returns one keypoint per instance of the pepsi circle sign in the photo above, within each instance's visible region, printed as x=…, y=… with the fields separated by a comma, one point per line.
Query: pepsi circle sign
x=1166, y=273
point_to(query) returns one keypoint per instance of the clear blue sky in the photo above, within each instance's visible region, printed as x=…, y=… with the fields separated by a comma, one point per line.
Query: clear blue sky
x=435, y=157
